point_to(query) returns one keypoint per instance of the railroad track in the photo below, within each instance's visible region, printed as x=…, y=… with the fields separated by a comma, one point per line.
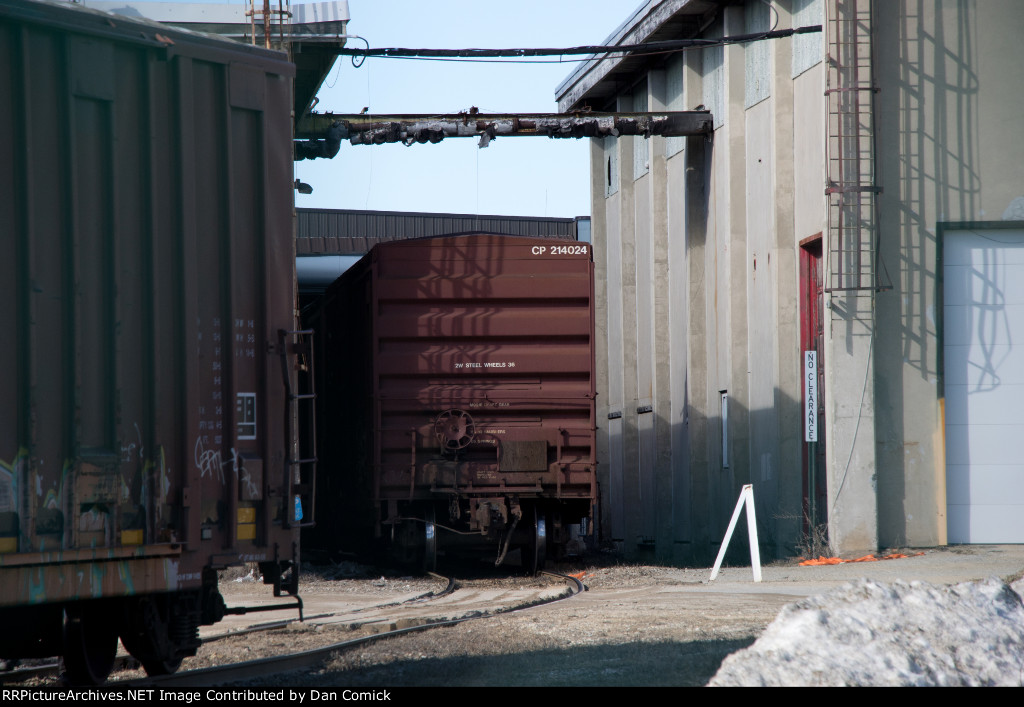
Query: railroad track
x=468, y=607
x=262, y=668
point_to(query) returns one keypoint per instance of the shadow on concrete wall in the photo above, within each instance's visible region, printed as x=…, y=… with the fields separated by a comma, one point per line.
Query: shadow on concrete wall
x=927, y=115
x=692, y=535
x=937, y=152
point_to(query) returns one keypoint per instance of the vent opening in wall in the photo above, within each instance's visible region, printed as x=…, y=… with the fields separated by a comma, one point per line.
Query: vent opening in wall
x=611, y=156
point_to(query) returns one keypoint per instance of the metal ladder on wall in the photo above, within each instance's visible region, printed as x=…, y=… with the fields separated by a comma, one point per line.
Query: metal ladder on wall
x=297, y=346
x=855, y=263
x=271, y=18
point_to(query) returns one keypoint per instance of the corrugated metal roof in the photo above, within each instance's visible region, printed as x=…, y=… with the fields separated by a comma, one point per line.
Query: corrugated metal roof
x=352, y=232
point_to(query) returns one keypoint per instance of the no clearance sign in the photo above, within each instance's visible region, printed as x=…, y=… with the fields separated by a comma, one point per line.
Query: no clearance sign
x=810, y=396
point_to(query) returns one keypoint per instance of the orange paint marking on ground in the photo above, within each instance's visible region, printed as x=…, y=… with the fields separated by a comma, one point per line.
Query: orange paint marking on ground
x=866, y=558
x=821, y=561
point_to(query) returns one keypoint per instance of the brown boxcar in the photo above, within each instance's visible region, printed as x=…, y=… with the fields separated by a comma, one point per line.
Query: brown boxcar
x=456, y=393
x=146, y=292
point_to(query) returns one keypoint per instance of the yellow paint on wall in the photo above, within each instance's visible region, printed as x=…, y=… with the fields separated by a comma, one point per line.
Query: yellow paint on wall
x=247, y=531
x=246, y=515
x=8, y=545
x=940, y=475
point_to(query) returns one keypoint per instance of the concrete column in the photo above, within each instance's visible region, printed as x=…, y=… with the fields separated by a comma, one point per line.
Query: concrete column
x=646, y=510
x=628, y=342
x=850, y=413
x=849, y=395
x=787, y=517
x=662, y=326
x=599, y=242
x=733, y=262
x=689, y=360
x=612, y=285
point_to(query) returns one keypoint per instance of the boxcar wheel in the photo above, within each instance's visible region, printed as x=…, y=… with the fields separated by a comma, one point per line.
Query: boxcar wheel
x=146, y=634
x=90, y=644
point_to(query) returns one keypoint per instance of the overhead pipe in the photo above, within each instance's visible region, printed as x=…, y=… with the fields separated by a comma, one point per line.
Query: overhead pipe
x=410, y=129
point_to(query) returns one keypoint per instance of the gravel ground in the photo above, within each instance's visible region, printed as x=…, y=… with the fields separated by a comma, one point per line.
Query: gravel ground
x=625, y=630
x=635, y=626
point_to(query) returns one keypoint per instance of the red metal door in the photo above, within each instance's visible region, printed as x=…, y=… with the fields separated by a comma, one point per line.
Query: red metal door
x=812, y=333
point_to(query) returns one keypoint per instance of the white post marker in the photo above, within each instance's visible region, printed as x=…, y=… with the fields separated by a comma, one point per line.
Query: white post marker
x=746, y=498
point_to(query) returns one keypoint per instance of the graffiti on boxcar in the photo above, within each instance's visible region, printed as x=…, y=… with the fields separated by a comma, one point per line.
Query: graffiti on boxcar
x=211, y=463
x=251, y=489
x=97, y=579
x=163, y=484
x=49, y=514
x=6, y=487
x=125, y=572
x=171, y=576
x=36, y=587
x=96, y=583
x=132, y=450
x=9, y=507
x=9, y=484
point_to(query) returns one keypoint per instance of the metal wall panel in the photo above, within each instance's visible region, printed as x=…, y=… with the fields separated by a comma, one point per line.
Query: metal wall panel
x=347, y=232
x=983, y=315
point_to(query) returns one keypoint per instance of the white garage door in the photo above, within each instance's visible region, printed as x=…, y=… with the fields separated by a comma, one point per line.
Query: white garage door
x=983, y=287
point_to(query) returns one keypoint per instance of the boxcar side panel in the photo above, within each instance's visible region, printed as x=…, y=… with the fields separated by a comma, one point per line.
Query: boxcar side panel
x=147, y=211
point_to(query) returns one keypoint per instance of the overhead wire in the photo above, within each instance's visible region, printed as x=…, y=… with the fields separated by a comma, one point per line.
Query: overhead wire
x=518, y=55
x=367, y=42
x=354, y=57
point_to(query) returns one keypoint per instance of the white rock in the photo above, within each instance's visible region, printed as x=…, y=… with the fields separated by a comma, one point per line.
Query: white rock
x=1015, y=211
x=869, y=633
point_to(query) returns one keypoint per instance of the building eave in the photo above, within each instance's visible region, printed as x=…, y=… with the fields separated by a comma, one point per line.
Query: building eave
x=599, y=78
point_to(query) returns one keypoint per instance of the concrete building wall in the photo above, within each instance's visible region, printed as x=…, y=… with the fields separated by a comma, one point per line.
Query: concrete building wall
x=704, y=293
x=699, y=241
x=949, y=150
x=808, y=140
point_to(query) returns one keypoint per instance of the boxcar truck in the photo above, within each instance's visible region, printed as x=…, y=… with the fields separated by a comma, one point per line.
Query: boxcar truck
x=146, y=297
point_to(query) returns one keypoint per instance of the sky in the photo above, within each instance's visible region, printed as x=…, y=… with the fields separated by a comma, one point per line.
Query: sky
x=514, y=176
